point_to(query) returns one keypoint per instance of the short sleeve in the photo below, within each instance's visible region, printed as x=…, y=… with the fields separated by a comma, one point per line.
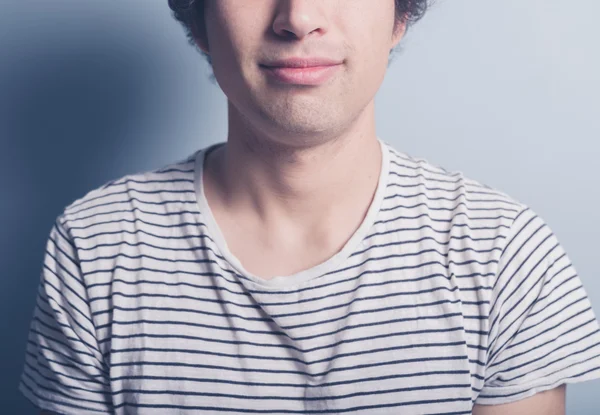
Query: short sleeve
x=64, y=370
x=543, y=331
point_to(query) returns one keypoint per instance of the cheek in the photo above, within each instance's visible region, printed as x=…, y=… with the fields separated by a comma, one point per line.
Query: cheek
x=370, y=38
x=225, y=52
x=226, y=33
x=373, y=54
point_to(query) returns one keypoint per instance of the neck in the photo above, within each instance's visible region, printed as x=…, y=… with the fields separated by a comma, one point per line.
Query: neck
x=292, y=186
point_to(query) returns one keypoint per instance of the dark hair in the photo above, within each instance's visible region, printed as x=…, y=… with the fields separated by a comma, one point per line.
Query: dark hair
x=189, y=12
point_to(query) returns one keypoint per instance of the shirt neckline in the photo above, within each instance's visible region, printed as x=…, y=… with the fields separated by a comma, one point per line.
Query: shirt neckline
x=287, y=281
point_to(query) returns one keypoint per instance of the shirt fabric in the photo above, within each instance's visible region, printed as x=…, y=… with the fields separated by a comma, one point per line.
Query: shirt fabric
x=450, y=293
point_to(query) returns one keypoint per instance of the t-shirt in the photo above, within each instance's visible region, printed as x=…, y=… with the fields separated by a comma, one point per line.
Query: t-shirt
x=449, y=293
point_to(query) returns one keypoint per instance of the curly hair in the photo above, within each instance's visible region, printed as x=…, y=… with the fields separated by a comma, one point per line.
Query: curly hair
x=188, y=12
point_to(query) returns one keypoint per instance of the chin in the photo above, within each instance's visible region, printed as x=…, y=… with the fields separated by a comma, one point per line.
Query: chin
x=298, y=126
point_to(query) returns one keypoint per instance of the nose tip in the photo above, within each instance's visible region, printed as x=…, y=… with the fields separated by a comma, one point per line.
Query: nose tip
x=298, y=19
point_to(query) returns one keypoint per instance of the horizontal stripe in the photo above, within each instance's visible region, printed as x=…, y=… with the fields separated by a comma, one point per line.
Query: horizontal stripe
x=449, y=294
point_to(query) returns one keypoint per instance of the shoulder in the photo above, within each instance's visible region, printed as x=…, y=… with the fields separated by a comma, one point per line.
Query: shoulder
x=447, y=196
x=126, y=203
x=461, y=218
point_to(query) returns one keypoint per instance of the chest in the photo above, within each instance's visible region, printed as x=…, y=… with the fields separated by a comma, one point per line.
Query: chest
x=365, y=342
x=267, y=251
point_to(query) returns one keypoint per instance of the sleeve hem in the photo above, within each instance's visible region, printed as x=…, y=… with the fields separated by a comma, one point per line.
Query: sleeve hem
x=503, y=395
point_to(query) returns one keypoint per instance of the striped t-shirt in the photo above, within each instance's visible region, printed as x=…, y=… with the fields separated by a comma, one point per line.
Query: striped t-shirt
x=450, y=293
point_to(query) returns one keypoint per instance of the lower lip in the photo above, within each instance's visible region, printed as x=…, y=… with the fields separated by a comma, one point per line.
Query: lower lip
x=314, y=75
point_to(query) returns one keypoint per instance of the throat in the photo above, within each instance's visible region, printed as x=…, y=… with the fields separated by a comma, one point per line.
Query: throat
x=309, y=240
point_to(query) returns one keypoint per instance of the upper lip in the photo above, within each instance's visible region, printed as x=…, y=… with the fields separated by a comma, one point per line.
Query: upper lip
x=298, y=62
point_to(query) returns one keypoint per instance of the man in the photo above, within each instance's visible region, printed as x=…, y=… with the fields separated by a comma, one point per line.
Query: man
x=305, y=266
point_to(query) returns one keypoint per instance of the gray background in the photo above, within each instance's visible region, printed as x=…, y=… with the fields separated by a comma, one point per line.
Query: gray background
x=505, y=91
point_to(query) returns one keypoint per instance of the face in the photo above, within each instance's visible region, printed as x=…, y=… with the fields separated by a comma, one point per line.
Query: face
x=247, y=40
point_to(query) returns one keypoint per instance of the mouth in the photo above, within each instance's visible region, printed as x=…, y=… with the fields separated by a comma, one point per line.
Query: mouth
x=311, y=75
x=302, y=71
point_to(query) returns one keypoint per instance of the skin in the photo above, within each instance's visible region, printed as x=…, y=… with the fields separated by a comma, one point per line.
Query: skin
x=303, y=148
x=310, y=157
